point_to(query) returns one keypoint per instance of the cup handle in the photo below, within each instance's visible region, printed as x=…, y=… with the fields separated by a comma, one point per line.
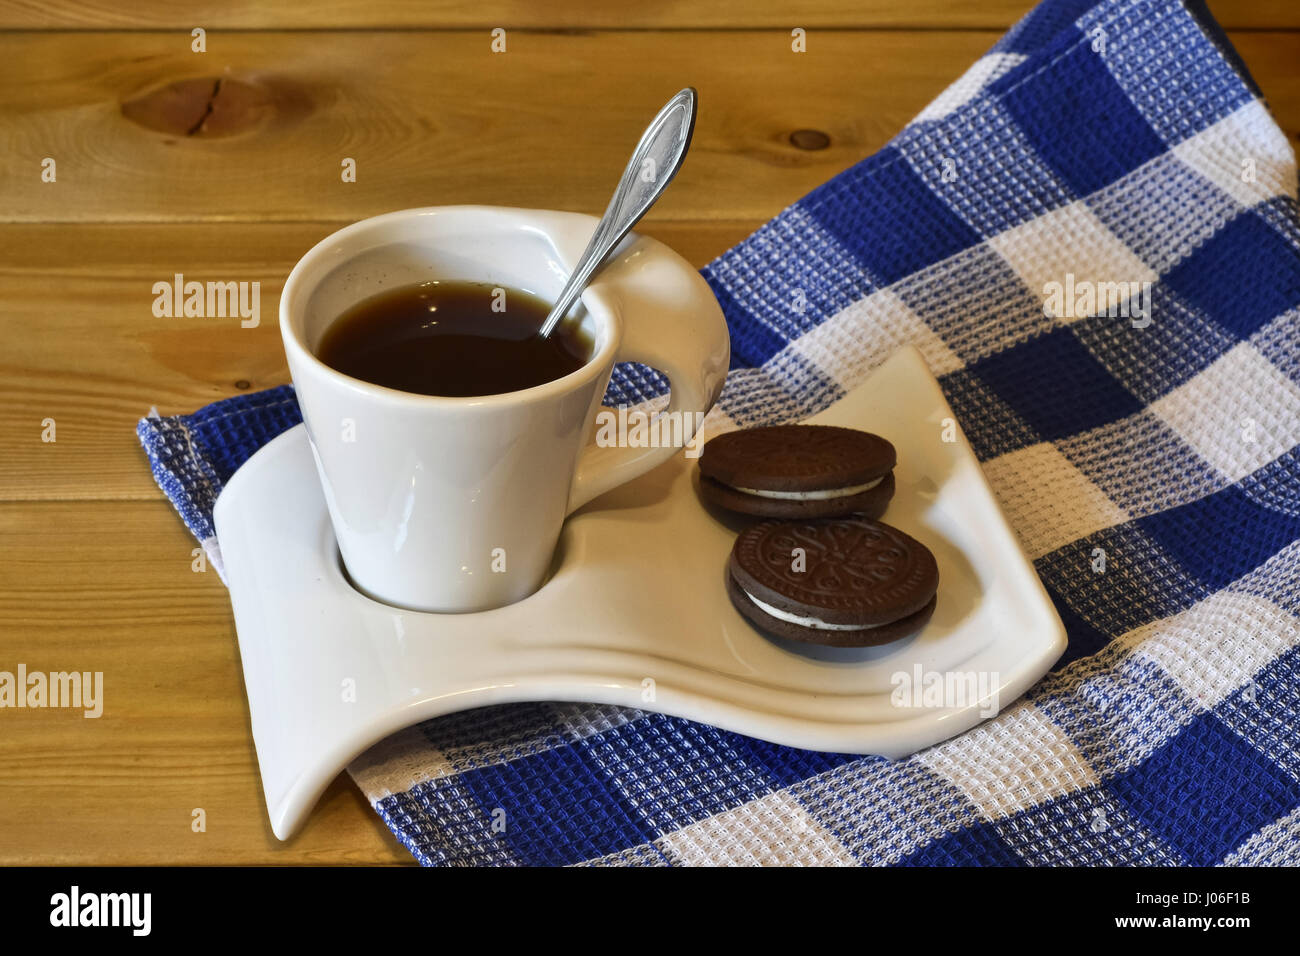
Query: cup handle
x=671, y=322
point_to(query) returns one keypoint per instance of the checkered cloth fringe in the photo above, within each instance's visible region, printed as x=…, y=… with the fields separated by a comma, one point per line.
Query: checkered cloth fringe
x=1141, y=438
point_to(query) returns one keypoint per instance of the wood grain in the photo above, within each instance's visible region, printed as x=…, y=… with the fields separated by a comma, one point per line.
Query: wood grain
x=83, y=347
x=1272, y=59
x=288, y=108
x=591, y=14
x=108, y=586
x=509, y=14
x=404, y=107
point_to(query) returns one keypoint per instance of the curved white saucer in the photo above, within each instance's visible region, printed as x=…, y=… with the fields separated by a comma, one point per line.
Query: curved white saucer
x=635, y=613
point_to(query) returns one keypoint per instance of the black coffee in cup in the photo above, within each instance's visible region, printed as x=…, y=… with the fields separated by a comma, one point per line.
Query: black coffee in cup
x=452, y=338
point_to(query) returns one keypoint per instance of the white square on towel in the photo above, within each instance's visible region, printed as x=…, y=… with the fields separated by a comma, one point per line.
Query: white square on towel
x=851, y=343
x=1070, y=240
x=1244, y=154
x=1049, y=501
x=774, y=830
x=1214, y=647
x=1239, y=414
x=1016, y=761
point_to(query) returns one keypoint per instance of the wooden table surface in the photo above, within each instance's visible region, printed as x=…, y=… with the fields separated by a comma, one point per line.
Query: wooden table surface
x=225, y=165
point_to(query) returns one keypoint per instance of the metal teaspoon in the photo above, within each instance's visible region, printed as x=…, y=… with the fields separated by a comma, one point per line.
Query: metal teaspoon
x=660, y=153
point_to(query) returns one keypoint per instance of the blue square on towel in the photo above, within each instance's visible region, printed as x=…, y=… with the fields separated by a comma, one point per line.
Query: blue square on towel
x=1242, y=277
x=632, y=383
x=786, y=766
x=1206, y=791
x=753, y=341
x=234, y=429
x=978, y=845
x=990, y=426
x=1078, y=118
x=1084, y=639
x=1054, y=384
x=1276, y=487
x=559, y=807
x=1222, y=536
x=888, y=217
x=1265, y=711
x=1072, y=571
x=699, y=773
x=1139, y=36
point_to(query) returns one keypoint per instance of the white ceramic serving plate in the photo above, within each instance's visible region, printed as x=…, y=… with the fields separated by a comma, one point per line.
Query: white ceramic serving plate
x=634, y=613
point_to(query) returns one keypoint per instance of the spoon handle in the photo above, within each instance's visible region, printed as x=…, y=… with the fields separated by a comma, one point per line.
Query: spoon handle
x=653, y=165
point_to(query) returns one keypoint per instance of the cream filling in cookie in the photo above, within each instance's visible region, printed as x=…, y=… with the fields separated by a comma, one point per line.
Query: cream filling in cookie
x=812, y=495
x=813, y=622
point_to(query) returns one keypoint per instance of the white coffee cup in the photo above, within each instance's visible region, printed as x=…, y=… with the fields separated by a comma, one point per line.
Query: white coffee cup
x=456, y=504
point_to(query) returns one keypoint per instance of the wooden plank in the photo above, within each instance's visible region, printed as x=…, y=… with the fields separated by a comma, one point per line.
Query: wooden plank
x=290, y=108
x=108, y=586
x=590, y=14
x=1272, y=59
x=436, y=118
x=82, y=346
x=509, y=14
x=84, y=349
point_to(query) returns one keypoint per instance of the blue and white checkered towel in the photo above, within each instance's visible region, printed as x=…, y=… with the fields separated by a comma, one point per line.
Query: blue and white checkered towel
x=1149, y=460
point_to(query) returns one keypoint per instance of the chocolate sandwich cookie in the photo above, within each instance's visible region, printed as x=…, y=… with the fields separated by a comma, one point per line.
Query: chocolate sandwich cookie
x=846, y=582
x=799, y=471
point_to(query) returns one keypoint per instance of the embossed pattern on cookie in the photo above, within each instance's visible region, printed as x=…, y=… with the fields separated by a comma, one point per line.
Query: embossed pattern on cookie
x=833, y=576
